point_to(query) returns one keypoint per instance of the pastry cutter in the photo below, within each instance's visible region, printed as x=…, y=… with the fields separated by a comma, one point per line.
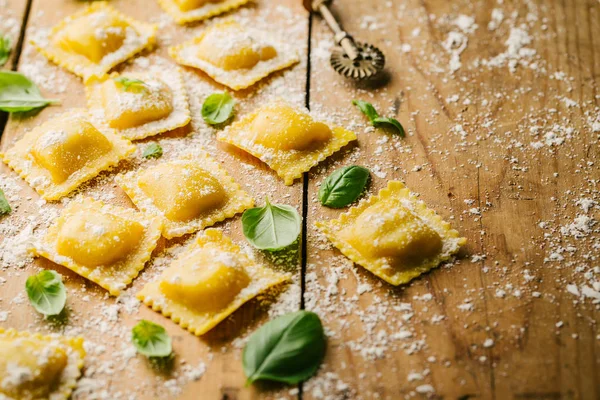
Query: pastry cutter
x=352, y=59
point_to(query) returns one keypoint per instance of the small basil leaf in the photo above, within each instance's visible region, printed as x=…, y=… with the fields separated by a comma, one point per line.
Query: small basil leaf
x=287, y=349
x=271, y=227
x=217, y=108
x=366, y=108
x=4, y=206
x=130, y=83
x=391, y=122
x=4, y=49
x=343, y=186
x=152, y=151
x=46, y=292
x=151, y=340
x=18, y=94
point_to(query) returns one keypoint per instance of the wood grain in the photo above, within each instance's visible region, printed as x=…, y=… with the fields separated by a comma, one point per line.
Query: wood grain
x=495, y=193
x=468, y=154
x=112, y=371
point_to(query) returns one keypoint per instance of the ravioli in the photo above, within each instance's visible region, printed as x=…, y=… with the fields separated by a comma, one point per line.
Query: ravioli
x=394, y=235
x=148, y=103
x=34, y=366
x=286, y=138
x=233, y=55
x=208, y=281
x=62, y=153
x=106, y=244
x=94, y=40
x=184, y=11
x=189, y=193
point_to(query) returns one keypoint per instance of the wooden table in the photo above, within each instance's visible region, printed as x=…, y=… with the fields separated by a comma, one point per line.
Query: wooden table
x=503, y=120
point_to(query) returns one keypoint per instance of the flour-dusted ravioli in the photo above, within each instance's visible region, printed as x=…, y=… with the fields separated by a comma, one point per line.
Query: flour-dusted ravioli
x=184, y=11
x=394, y=235
x=34, y=366
x=189, y=193
x=286, y=138
x=140, y=104
x=209, y=281
x=94, y=40
x=106, y=244
x=62, y=153
x=234, y=55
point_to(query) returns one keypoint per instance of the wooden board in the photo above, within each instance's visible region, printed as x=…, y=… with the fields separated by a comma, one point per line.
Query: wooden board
x=110, y=368
x=502, y=142
x=469, y=155
x=12, y=14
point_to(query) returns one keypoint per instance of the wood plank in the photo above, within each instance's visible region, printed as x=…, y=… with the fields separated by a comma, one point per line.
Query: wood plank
x=112, y=369
x=12, y=14
x=473, y=155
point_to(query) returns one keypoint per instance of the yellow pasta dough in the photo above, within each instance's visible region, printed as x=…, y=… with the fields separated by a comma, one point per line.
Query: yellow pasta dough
x=94, y=40
x=139, y=104
x=394, y=235
x=184, y=11
x=106, y=244
x=234, y=55
x=286, y=138
x=34, y=366
x=189, y=193
x=209, y=281
x=62, y=153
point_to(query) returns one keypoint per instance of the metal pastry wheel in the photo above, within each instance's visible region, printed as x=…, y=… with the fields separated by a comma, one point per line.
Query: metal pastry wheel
x=351, y=59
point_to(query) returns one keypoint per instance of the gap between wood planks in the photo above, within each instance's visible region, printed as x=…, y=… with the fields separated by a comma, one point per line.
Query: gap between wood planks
x=16, y=56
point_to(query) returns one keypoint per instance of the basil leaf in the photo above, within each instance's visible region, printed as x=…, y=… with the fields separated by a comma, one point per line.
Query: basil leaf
x=151, y=340
x=4, y=49
x=271, y=227
x=128, y=83
x=46, y=292
x=152, y=151
x=366, y=108
x=4, y=206
x=375, y=119
x=391, y=122
x=287, y=349
x=17, y=93
x=343, y=186
x=217, y=108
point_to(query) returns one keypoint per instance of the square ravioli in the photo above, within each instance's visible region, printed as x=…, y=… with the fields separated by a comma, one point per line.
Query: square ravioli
x=35, y=366
x=189, y=193
x=139, y=104
x=106, y=244
x=94, y=40
x=394, y=235
x=286, y=138
x=65, y=151
x=184, y=11
x=233, y=55
x=208, y=281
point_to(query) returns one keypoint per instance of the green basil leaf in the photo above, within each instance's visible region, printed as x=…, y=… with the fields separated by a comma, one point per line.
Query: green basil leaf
x=287, y=349
x=375, y=119
x=46, y=292
x=366, y=108
x=271, y=227
x=130, y=83
x=217, y=108
x=17, y=93
x=152, y=151
x=4, y=49
x=151, y=340
x=4, y=206
x=343, y=186
x=394, y=123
